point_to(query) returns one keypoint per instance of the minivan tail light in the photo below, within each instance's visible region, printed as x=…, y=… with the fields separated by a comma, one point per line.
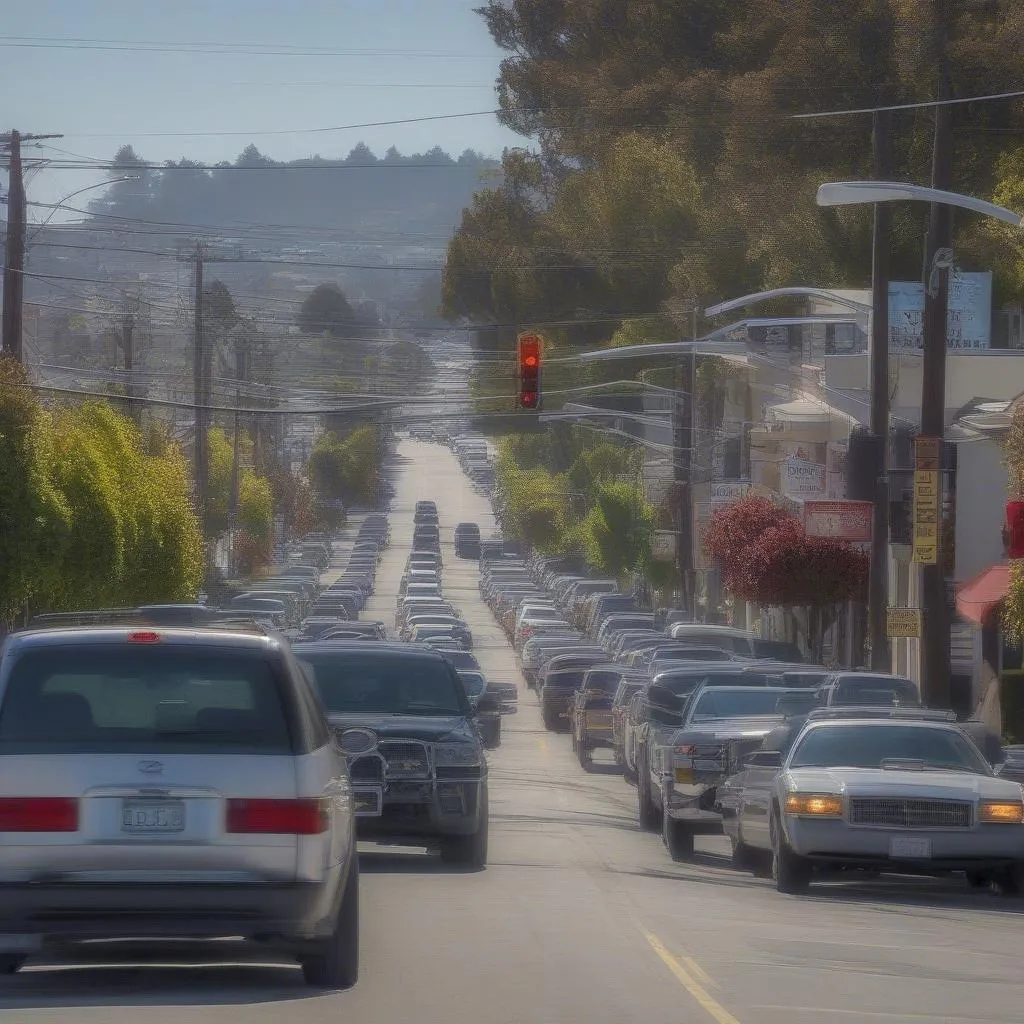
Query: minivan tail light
x=38, y=814
x=278, y=817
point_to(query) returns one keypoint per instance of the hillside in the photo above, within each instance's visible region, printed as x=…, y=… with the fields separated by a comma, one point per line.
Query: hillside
x=413, y=198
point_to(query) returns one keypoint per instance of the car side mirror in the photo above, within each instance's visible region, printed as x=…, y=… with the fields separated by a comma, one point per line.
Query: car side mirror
x=487, y=702
x=764, y=759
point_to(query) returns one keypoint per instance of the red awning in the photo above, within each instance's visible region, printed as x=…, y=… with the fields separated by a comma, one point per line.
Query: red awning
x=979, y=598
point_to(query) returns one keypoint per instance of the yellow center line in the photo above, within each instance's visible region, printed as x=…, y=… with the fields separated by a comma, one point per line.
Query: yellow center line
x=543, y=744
x=685, y=978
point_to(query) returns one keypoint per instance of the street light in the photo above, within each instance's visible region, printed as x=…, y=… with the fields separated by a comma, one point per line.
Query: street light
x=854, y=193
x=754, y=298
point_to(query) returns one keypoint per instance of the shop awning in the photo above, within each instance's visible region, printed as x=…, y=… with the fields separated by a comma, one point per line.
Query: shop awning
x=979, y=598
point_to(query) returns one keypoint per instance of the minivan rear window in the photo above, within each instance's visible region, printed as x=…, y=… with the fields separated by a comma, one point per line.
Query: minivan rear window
x=155, y=698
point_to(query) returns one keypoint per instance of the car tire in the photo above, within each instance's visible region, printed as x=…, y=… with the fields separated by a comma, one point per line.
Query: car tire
x=979, y=879
x=678, y=839
x=649, y=816
x=10, y=963
x=791, y=872
x=551, y=721
x=585, y=755
x=469, y=851
x=335, y=962
x=1010, y=881
x=742, y=856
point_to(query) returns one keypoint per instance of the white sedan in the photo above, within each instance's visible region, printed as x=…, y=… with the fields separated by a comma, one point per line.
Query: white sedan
x=898, y=793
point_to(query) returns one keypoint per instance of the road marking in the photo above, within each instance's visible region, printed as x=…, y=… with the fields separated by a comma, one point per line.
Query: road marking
x=714, y=1008
x=543, y=744
x=698, y=972
x=822, y=1013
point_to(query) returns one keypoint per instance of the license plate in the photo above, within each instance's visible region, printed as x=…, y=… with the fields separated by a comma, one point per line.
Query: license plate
x=910, y=848
x=154, y=817
x=368, y=802
x=684, y=775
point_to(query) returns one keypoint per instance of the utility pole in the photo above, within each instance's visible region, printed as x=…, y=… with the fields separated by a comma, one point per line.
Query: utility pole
x=127, y=344
x=236, y=458
x=14, y=261
x=878, y=583
x=200, y=411
x=934, y=601
x=682, y=462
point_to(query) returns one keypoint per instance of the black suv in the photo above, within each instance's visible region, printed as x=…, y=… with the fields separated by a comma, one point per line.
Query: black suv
x=405, y=723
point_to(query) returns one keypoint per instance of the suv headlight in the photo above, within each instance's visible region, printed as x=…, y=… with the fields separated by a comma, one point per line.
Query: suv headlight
x=452, y=754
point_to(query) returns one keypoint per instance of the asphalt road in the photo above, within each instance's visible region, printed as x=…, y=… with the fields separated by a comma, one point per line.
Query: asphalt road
x=579, y=917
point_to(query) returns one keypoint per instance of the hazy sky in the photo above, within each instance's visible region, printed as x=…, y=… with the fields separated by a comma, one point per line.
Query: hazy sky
x=376, y=60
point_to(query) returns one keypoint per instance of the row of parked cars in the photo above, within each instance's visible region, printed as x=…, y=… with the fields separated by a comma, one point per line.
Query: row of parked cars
x=807, y=770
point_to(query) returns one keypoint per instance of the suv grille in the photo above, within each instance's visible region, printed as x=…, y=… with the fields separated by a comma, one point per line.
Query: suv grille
x=404, y=758
x=903, y=813
x=369, y=768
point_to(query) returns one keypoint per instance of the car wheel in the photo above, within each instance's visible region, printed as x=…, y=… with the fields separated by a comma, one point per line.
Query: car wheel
x=743, y=856
x=678, y=838
x=335, y=964
x=649, y=816
x=551, y=721
x=585, y=755
x=1010, y=881
x=10, y=963
x=979, y=879
x=468, y=851
x=791, y=872
x=629, y=774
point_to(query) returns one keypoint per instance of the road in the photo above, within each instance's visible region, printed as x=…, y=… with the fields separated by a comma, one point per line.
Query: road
x=579, y=917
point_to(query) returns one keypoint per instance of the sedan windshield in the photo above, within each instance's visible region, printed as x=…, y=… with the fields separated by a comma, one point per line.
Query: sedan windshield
x=350, y=683
x=869, y=745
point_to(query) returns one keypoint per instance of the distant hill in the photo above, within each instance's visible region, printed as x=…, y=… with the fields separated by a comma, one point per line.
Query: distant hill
x=410, y=199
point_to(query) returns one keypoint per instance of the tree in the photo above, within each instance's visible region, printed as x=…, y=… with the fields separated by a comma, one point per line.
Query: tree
x=767, y=558
x=346, y=469
x=327, y=311
x=618, y=530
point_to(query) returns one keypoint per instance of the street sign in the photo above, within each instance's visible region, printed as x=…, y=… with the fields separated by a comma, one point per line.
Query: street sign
x=841, y=520
x=903, y=622
x=927, y=484
x=663, y=546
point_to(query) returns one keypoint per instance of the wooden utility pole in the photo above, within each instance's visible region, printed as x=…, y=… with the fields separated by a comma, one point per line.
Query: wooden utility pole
x=128, y=347
x=201, y=413
x=682, y=450
x=878, y=584
x=14, y=259
x=934, y=601
x=236, y=458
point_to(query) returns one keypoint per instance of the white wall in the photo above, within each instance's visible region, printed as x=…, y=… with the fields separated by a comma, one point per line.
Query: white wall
x=982, y=483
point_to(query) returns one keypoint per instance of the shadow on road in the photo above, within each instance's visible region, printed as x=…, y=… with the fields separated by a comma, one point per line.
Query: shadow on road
x=382, y=861
x=176, y=980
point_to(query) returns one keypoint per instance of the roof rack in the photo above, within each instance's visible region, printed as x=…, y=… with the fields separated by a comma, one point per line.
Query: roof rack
x=135, y=617
x=885, y=711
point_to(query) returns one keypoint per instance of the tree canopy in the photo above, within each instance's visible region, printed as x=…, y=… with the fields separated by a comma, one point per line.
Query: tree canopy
x=326, y=311
x=668, y=167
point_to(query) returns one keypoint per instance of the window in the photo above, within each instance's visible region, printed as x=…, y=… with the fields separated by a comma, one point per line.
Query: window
x=353, y=684
x=725, y=703
x=867, y=746
x=132, y=699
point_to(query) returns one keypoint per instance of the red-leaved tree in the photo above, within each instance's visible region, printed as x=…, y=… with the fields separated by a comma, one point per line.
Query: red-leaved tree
x=767, y=558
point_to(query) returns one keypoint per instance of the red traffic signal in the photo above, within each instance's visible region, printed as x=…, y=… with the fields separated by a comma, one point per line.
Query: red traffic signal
x=1015, y=528
x=528, y=354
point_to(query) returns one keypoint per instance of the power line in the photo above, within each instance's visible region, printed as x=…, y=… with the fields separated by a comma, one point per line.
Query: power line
x=912, y=106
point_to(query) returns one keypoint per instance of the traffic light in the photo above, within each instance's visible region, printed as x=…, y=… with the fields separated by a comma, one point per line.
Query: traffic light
x=1015, y=529
x=528, y=353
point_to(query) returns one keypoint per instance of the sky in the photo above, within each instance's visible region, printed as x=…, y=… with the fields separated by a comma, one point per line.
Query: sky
x=76, y=68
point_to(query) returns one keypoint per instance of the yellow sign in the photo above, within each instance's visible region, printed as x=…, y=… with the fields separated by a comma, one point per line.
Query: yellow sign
x=926, y=516
x=903, y=622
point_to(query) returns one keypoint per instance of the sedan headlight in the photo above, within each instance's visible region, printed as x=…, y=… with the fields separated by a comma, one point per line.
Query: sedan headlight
x=815, y=805
x=455, y=754
x=1006, y=812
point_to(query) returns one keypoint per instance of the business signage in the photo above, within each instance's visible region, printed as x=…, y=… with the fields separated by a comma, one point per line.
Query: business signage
x=726, y=492
x=841, y=520
x=903, y=622
x=663, y=546
x=927, y=464
x=801, y=478
x=968, y=323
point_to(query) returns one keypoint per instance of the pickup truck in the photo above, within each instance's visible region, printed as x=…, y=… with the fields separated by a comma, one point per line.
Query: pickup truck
x=720, y=725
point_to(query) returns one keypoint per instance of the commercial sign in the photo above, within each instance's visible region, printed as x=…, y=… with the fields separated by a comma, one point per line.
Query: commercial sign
x=663, y=546
x=927, y=482
x=801, y=478
x=726, y=492
x=903, y=622
x=968, y=324
x=841, y=520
